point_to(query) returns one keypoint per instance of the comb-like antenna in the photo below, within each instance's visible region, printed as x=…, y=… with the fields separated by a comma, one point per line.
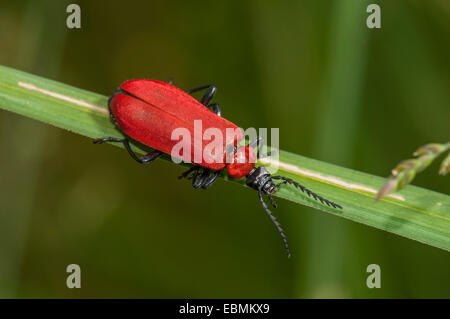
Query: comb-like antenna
x=307, y=191
x=272, y=201
x=277, y=224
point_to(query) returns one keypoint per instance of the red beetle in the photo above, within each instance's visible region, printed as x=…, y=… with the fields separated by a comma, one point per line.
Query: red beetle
x=148, y=111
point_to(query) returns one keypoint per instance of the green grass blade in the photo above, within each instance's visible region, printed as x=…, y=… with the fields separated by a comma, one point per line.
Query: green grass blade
x=415, y=213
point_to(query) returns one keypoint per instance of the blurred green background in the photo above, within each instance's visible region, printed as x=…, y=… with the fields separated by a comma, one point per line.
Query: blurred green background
x=339, y=92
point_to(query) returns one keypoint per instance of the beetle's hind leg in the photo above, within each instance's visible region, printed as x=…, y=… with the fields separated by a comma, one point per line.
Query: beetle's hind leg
x=205, y=179
x=199, y=178
x=146, y=159
x=210, y=180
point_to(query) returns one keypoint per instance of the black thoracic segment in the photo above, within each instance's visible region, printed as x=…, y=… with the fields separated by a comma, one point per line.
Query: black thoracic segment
x=307, y=191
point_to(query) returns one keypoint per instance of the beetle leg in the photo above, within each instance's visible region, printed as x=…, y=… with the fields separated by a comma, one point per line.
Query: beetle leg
x=210, y=180
x=146, y=159
x=256, y=144
x=207, y=97
x=150, y=157
x=195, y=176
x=215, y=108
x=203, y=180
x=209, y=94
x=199, y=179
x=198, y=88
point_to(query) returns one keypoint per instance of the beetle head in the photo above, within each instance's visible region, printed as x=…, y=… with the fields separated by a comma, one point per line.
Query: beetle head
x=260, y=179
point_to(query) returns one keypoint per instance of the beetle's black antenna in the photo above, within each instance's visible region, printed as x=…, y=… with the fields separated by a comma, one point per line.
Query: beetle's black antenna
x=307, y=191
x=274, y=220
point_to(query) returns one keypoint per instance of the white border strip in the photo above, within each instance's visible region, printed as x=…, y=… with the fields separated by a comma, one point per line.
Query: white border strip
x=63, y=97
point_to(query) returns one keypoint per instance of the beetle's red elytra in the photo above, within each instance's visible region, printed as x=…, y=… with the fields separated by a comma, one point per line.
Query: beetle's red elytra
x=154, y=109
x=148, y=111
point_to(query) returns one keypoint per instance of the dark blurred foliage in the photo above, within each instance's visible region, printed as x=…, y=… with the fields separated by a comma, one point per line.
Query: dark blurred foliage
x=338, y=91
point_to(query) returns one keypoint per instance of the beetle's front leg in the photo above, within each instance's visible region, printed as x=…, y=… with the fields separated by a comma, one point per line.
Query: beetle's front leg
x=207, y=97
x=215, y=108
